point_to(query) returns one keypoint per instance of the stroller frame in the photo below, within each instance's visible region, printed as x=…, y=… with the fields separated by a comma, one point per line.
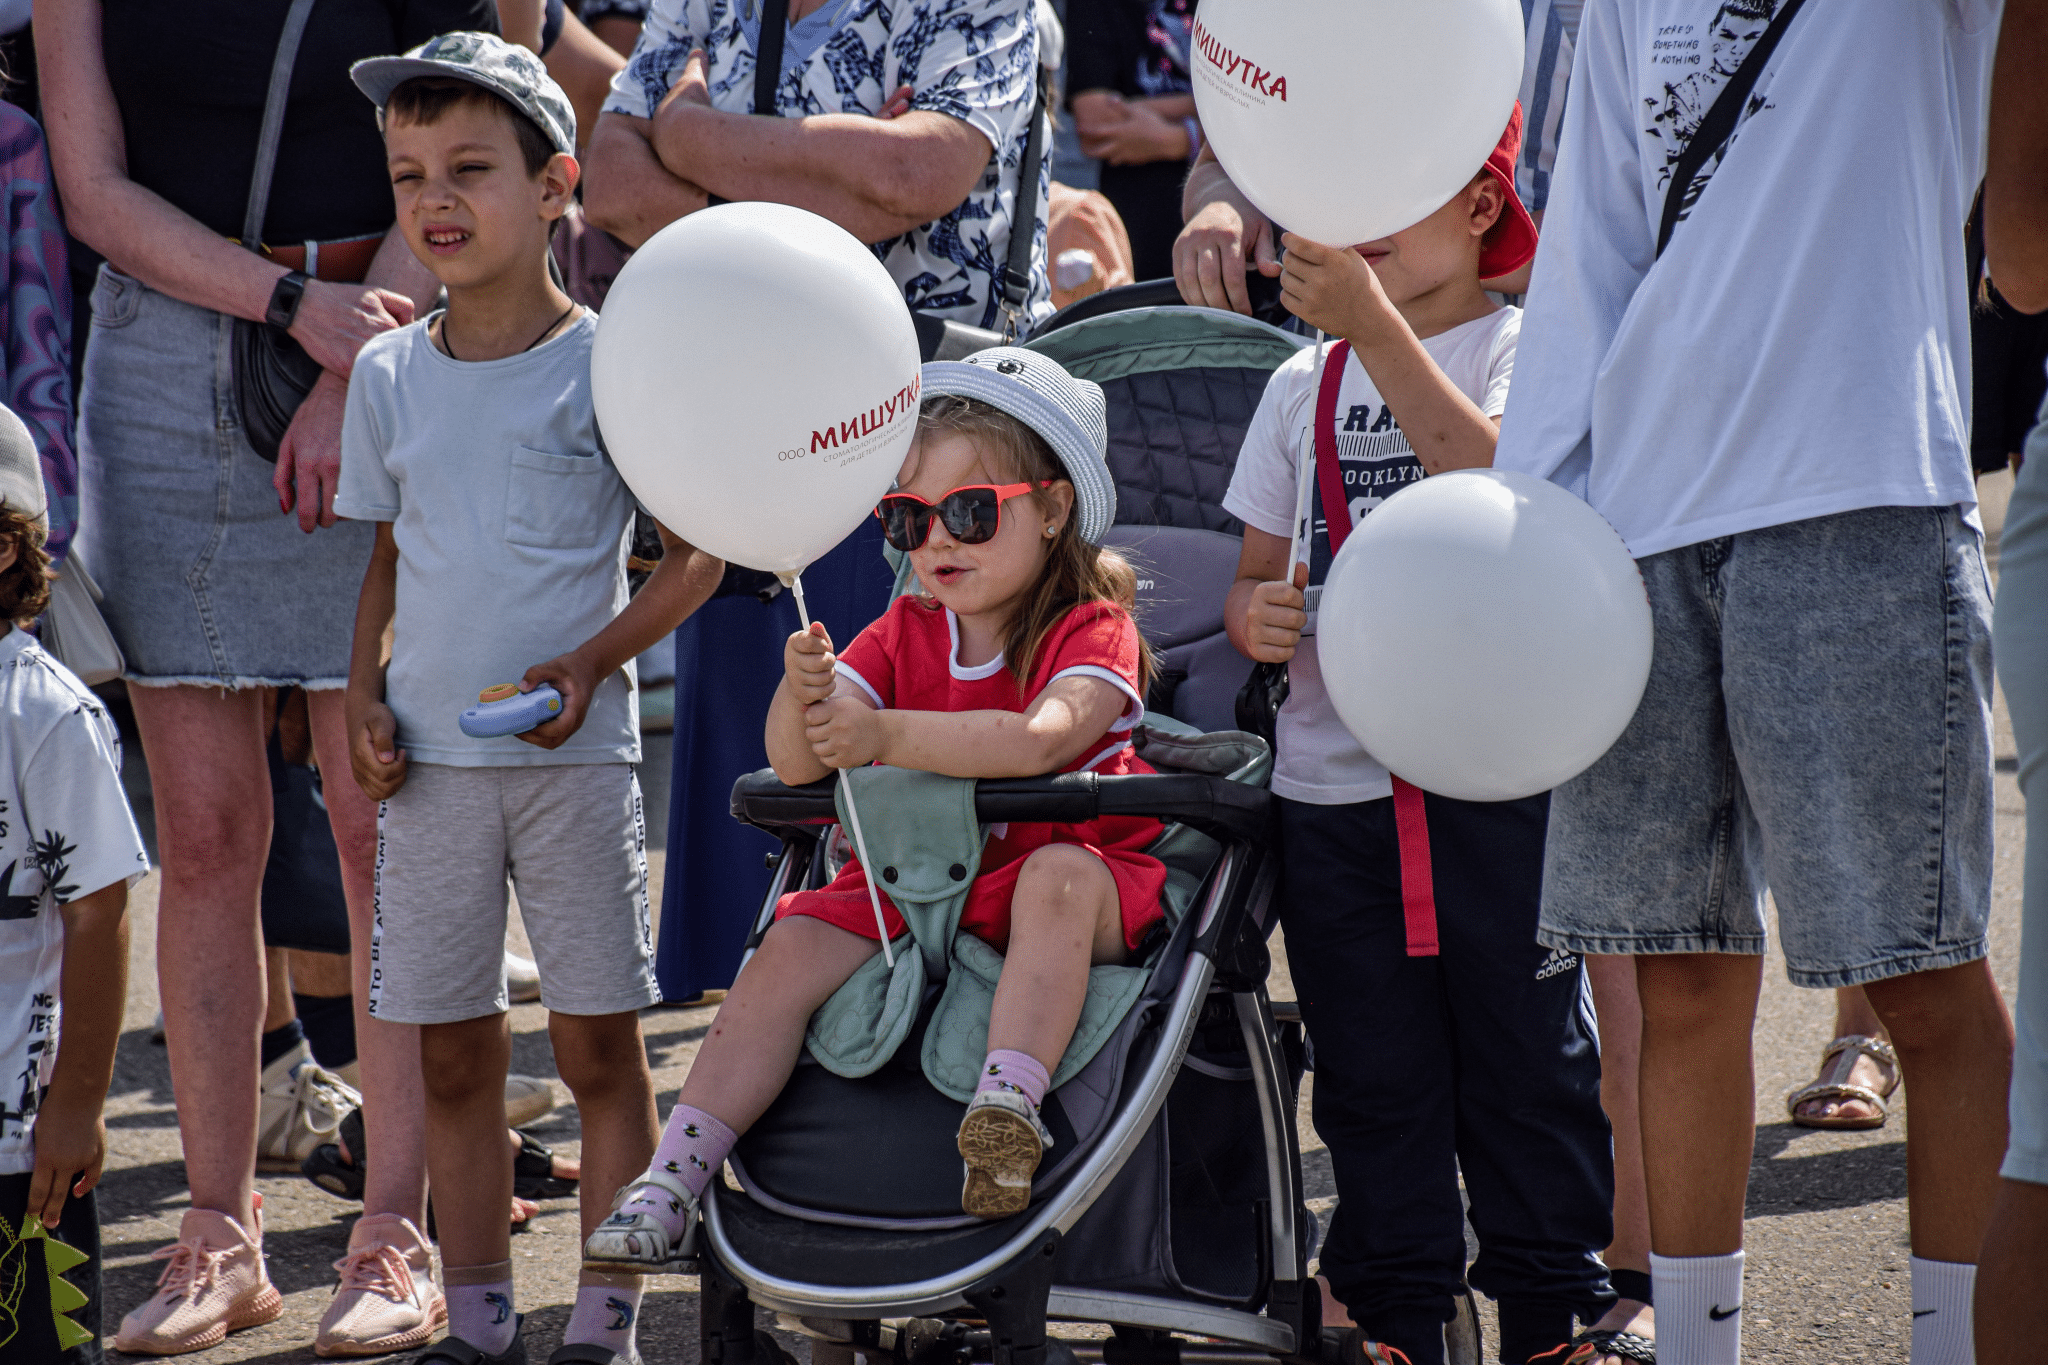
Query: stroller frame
x=1012, y=1287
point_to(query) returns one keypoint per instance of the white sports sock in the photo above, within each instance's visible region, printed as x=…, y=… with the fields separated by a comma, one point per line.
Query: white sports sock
x=480, y=1305
x=1941, y=1312
x=607, y=1308
x=1699, y=1309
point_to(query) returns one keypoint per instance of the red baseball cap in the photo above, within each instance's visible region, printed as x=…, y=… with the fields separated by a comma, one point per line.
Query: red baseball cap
x=1512, y=240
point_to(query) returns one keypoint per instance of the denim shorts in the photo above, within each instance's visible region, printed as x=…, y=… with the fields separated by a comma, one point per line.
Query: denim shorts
x=1818, y=721
x=206, y=582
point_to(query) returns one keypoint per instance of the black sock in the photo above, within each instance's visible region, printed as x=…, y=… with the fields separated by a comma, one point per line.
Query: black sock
x=330, y=1024
x=281, y=1040
x=1529, y=1327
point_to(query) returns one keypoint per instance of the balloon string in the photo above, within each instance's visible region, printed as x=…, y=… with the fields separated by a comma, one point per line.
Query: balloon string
x=860, y=846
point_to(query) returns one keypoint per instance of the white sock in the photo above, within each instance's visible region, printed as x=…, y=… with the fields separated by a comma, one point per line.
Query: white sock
x=480, y=1305
x=607, y=1310
x=1699, y=1309
x=1941, y=1312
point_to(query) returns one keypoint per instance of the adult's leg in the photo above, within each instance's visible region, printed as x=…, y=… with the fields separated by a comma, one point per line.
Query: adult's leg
x=1955, y=1045
x=388, y=1054
x=205, y=751
x=1063, y=918
x=2011, y=1311
x=1698, y=1097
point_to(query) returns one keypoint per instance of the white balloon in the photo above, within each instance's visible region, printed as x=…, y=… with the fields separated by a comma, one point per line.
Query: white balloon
x=1484, y=634
x=1347, y=120
x=755, y=375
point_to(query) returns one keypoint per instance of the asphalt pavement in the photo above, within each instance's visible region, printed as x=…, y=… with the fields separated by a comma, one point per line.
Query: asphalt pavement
x=1826, y=1230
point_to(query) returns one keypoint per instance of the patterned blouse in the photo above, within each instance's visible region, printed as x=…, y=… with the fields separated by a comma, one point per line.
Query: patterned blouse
x=35, y=317
x=975, y=60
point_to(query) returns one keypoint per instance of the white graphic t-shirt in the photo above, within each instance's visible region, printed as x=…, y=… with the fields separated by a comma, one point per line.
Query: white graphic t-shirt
x=973, y=60
x=1316, y=759
x=1802, y=347
x=65, y=832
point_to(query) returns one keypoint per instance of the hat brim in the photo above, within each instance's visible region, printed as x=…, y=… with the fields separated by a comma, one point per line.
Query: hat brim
x=377, y=77
x=1512, y=243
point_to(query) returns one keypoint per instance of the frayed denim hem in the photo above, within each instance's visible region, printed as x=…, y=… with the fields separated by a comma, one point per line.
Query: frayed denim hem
x=1905, y=964
x=220, y=684
x=1650, y=945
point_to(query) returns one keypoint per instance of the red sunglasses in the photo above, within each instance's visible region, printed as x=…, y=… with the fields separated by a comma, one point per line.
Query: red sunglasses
x=972, y=514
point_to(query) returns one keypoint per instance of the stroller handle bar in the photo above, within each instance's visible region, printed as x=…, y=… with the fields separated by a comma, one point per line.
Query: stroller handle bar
x=1230, y=812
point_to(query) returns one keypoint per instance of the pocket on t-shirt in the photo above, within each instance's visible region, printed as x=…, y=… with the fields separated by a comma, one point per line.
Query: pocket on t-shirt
x=557, y=502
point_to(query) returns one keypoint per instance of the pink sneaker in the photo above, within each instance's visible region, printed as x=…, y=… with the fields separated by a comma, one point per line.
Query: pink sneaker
x=390, y=1293
x=215, y=1284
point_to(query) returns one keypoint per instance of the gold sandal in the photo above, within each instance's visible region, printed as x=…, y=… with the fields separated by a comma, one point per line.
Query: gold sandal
x=1837, y=1063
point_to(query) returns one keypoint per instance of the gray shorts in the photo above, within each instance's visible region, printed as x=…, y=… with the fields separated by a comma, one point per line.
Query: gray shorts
x=573, y=842
x=1818, y=720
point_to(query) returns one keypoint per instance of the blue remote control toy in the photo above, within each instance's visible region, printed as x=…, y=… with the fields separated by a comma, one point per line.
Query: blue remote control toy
x=505, y=710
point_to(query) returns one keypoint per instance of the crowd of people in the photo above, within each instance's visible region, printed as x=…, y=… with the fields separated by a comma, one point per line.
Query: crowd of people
x=350, y=256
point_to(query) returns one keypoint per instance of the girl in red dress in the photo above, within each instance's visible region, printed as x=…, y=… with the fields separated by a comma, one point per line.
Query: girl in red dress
x=1017, y=657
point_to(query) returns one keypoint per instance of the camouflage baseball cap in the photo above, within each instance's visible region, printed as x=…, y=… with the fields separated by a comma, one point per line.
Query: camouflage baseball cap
x=483, y=58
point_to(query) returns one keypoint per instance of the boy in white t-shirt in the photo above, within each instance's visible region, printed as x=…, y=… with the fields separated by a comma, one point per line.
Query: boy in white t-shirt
x=68, y=853
x=502, y=537
x=1449, y=1042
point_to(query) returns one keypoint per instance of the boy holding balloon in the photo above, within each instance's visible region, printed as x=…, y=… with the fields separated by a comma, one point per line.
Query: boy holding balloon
x=1446, y=1040
x=502, y=530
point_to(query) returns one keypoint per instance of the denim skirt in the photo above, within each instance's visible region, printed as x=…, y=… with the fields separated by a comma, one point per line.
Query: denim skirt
x=206, y=582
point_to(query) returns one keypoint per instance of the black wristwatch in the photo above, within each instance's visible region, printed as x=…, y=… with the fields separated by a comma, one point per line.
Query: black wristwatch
x=284, y=299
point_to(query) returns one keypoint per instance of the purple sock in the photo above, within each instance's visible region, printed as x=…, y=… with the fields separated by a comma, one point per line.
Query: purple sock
x=1018, y=1071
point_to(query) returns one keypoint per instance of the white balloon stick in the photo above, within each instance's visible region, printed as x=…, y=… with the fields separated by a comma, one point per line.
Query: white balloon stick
x=1305, y=473
x=860, y=846
x=795, y=583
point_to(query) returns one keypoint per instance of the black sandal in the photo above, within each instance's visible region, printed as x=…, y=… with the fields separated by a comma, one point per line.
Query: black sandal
x=340, y=1176
x=1601, y=1341
x=456, y=1351
x=533, y=1171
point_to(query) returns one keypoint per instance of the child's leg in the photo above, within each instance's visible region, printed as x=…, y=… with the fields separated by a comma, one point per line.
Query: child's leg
x=604, y=1063
x=1533, y=1141
x=1064, y=917
x=469, y=1166
x=740, y=1069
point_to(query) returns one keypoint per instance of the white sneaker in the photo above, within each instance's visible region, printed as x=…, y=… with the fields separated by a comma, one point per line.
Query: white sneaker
x=522, y=979
x=303, y=1106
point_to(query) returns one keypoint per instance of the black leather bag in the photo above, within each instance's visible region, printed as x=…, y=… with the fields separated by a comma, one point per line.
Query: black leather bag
x=273, y=373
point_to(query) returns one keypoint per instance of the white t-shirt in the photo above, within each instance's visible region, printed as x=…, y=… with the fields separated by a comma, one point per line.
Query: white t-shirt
x=512, y=528
x=1317, y=760
x=1802, y=348
x=65, y=832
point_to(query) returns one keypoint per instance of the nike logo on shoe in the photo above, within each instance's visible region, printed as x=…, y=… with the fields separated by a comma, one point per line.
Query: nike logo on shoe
x=1923, y=1312
x=1720, y=1314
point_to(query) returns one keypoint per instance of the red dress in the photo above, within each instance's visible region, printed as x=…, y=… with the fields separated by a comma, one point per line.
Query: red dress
x=909, y=660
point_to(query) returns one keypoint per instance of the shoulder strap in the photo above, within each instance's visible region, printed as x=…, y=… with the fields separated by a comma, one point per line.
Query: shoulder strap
x=1024, y=217
x=1329, y=477
x=273, y=122
x=1719, y=124
x=768, y=54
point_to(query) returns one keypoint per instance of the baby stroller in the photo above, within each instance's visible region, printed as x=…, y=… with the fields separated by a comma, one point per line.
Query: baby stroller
x=1170, y=1205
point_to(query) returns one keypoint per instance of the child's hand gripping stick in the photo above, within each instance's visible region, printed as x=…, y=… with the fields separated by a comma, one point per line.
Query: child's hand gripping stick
x=505, y=710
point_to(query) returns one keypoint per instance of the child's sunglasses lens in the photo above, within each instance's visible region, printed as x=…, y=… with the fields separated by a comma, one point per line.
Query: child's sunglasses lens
x=971, y=514
x=906, y=522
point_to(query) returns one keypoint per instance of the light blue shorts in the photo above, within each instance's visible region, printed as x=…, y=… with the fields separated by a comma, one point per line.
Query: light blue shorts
x=206, y=581
x=2023, y=668
x=1818, y=720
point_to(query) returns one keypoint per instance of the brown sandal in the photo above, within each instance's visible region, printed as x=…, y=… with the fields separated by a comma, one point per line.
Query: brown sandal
x=1836, y=1065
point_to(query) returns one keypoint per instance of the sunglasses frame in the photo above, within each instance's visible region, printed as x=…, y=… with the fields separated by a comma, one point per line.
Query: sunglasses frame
x=933, y=511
